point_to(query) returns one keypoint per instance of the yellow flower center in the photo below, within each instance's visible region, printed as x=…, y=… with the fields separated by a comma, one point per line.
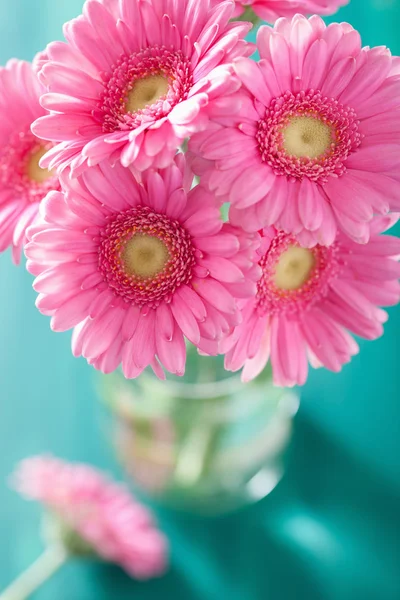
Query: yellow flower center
x=145, y=256
x=146, y=91
x=307, y=137
x=294, y=268
x=34, y=172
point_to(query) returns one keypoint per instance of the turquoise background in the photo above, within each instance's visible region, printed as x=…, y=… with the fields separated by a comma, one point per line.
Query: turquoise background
x=330, y=530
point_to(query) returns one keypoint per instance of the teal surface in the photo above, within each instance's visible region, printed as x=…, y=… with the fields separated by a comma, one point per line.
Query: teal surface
x=330, y=530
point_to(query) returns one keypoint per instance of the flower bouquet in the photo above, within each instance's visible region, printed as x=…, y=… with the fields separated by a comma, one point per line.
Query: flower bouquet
x=176, y=198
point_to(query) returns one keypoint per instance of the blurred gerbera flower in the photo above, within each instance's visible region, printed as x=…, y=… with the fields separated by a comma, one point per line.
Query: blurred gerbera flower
x=85, y=505
x=271, y=10
x=136, y=267
x=308, y=299
x=135, y=78
x=317, y=135
x=23, y=184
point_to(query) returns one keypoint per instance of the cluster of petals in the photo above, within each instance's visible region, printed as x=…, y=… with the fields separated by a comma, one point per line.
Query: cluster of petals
x=137, y=267
x=22, y=183
x=342, y=293
x=116, y=527
x=271, y=10
x=135, y=79
x=136, y=259
x=317, y=134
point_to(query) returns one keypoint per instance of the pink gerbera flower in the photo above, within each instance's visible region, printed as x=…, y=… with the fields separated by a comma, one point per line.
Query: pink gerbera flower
x=136, y=267
x=23, y=184
x=308, y=299
x=135, y=79
x=317, y=138
x=102, y=513
x=271, y=10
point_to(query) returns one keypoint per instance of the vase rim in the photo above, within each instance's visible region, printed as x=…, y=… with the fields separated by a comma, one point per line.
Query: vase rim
x=209, y=389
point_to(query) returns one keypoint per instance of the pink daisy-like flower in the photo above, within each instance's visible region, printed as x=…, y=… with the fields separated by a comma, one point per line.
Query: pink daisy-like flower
x=316, y=144
x=23, y=184
x=135, y=79
x=102, y=513
x=136, y=267
x=309, y=298
x=271, y=10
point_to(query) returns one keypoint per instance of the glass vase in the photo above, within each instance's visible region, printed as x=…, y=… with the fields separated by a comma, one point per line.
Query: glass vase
x=205, y=443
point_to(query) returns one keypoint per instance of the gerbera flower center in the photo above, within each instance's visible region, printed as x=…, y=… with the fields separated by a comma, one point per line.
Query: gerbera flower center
x=308, y=135
x=294, y=268
x=20, y=171
x=146, y=91
x=145, y=256
x=33, y=170
x=293, y=277
x=144, y=87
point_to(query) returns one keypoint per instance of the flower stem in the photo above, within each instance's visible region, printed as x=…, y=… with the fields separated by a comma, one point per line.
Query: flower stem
x=41, y=570
x=249, y=15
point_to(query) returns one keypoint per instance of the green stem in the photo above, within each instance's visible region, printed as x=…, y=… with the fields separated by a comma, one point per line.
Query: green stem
x=250, y=16
x=192, y=457
x=41, y=570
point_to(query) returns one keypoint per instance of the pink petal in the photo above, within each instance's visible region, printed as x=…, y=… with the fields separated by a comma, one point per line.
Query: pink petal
x=193, y=300
x=185, y=319
x=73, y=311
x=215, y=293
x=249, y=73
x=377, y=158
x=222, y=269
x=172, y=354
x=254, y=366
x=102, y=333
x=222, y=244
